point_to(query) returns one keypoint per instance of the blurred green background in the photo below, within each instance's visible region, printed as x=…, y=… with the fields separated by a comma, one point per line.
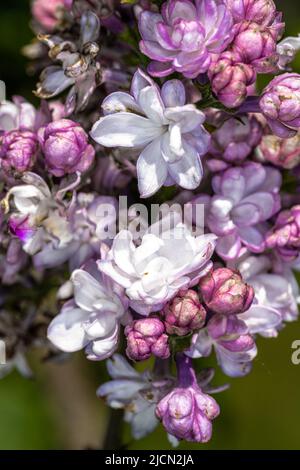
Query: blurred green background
x=59, y=409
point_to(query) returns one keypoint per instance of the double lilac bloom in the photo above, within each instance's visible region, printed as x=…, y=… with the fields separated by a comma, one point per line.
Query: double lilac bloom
x=245, y=197
x=183, y=37
x=168, y=132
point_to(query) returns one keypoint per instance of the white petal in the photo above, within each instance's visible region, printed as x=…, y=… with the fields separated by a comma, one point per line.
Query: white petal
x=151, y=103
x=151, y=169
x=104, y=348
x=124, y=130
x=173, y=93
x=66, y=331
x=87, y=291
x=119, y=102
x=187, y=172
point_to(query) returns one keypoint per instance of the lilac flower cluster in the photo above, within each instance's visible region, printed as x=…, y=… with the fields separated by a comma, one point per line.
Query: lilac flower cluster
x=187, y=129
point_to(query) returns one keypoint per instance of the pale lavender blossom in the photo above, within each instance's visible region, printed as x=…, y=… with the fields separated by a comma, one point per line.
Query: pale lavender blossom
x=276, y=294
x=280, y=104
x=17, y=115
x=150, y=273
x=91, y=220
x=234, y=141
x=168, y=132
x=184, y=35
x=186, y=412
x=245, y=197
x=136, y=392
x=91, y=320
x=234, y=346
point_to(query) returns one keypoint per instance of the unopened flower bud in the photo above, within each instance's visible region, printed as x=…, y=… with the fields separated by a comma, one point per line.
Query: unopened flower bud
x=146, y=337
x=66, y=148
x=18, y=151
x=184, y=314
x=223, y=291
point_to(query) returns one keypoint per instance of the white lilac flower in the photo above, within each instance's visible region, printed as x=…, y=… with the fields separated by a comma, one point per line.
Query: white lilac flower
x=168, y=132
x=86, y=228
x=154, y=272
x=53, y=232
x=91, y=320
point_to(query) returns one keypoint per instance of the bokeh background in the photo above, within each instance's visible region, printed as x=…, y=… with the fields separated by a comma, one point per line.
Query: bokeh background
x=58, y=409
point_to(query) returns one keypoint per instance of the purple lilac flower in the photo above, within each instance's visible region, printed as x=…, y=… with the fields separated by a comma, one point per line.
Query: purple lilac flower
x=285, y=235
x=234, y=346
x=66, y=148
x=224, y=291
x=186, y=412
x=184, y=35
x=280, y=104
x=146, y=337
x=245, y=197
x=184, y=313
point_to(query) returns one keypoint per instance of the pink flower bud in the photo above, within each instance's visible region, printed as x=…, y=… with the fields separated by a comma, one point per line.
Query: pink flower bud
x=280, y=104
x=66, y=148
x=262, y=12
x=284, y=153
x=223, y=291
x=184, y=314
x=255, y=46
x=18, y=150
x=230, y=79
x=146, y=337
